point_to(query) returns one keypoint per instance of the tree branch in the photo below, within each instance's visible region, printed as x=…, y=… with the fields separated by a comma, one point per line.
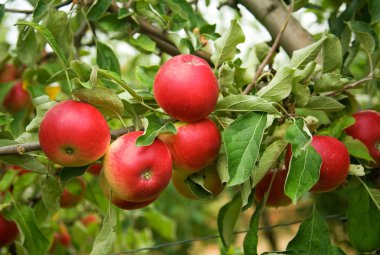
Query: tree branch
x=57, y=6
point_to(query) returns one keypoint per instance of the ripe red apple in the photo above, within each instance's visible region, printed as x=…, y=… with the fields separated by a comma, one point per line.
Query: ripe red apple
x=74, y=133
x=186, y=88
x=276, y=196
x=195, y=145
x=8, y=73
x=367, y=129
x=73, y=193
x=335, y=162
x=17, y=99
x=212, y=182
x=137, y=174
x=8, y=232
x=95, y=168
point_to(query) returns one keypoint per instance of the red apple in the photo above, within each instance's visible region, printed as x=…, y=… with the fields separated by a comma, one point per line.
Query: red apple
x=276, y=196
x=195, y=145
x=74, y=133
x=90, y=219
x=73, y=193
x=367, y=129
x=8, y=73
x=8, y=232
x=186, y=88
x=134, y=173
x=60, y=237
x=17, y=99
x=335, y=162
x=94, y=169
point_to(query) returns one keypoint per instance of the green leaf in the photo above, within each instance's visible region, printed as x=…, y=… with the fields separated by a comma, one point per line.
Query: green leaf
x=24, y=44
x=2, y=11
x=26, y=161
x=251, y=238
x=357, y=149
x=61, y=75
x=146, y=75
x=225, y=46
x=332, y=54
x=242, y=140
x=106, y=58
x=49, y=38
x=82, y=69
x=374, y=7
x=5, y=119
x=102, y=98
x=375, y=196
x=34, y=240
x=333, y=250
x=161, y=224
x=227, y=218
x=298, y=135
x=107, y=236
x=329, y=82
x=51, y=191
x=155, y=128
x=324, y=103
x=245, y=103
x=338, y=126
x=98, y=9
x=270, y=156
x=67, y=173
x=365, y=34
x=305, y=55
x=42, y=105
x=363, y=219
x=312, y=237
x=144, y=43
x=279, y=87
x=196, y=183
x=40, y=10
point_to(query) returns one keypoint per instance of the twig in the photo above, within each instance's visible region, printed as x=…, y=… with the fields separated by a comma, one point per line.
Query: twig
x=351, y=85
x=57, y=6
x=272, y=50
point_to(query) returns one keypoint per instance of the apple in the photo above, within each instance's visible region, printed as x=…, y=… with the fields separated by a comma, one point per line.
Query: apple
x=212, y=182
x=335, y=162
x=276, y=196
x=8, y=73
x=137, y=174
x=195, y=145
x=95, y=168
x=186, y=88
x=74, y=133
x=367, y=129
x=60, y=237
x=8, y=232
x=90, y=219
x=73, y=193
x=17, y=99
x=20, y=171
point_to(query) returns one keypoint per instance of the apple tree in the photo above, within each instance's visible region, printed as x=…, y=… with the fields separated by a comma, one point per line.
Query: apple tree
x=135, y=126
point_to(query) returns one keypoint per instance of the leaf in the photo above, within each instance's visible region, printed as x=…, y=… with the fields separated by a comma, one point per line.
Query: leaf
x=161, y=224
x=279, y=87
x=146, y=75
x=49, y=38
x=374, y=7
x=82, y=69
x=42, y=105
x=24, y=44
x=61, y=75
x=245, y=103
x=227, y=217
x=26, y=161
x=107, y=236
x=5, y=119
x=363, y=218
x=375, y=196
x=242, y=140
x=251, y=238
x=144, y=43
x=225, y=46
x=338, y=126
x=51, y=191
x=98, y=9
x=106, y=58
x=312, y=237
x=67, y=173
x=155, y=127
x=332, y=54
x=324, y=103
x=365, y=34
x=34, y=240
x=298, y=135
x=305, y=55
x=40, y=10
x=196, y=183
x=356, y=148
x=329, y=82
x=269, y=157
x=103, y=98
x=2, y=11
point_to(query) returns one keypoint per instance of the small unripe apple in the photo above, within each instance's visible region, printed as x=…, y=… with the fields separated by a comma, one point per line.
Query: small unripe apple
x=186, y=88
x=74, y=133
x=195, y=145
x=8, y=232
x=90, y=219
x=95, y=168
x=8, y=73
x=212, y=182
x=73, y=193
x=276, y=196
x=17, y=99
x=60, y=237
x=335, y=162
x=137, y=174
x=367, y=129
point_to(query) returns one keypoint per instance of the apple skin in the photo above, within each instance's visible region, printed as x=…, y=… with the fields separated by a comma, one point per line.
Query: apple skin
x=94, y=169
x=367, y=130
x=74, y=133
x=68, y=199
x=195, y=145
x=17, y=99
x=276, y=196
x=212, y=182
x=8, y=232
x=8, y=73
x=186, y=88
x=137, y=174
x=335, y=162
